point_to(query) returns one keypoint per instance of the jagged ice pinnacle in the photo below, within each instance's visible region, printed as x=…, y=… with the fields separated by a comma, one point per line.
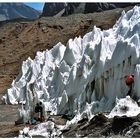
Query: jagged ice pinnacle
x=88, y=73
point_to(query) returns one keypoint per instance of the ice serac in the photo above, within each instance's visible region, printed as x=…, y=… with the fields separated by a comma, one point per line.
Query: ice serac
x=88, y=71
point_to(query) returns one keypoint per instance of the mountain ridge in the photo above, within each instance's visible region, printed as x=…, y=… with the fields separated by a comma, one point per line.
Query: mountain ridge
x=10, y=11
x=65, y=9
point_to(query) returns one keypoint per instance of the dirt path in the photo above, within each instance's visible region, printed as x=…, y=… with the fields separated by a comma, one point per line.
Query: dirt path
x=8, y=116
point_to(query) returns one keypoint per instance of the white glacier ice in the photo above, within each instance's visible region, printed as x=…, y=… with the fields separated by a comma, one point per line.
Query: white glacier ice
x=89, y=71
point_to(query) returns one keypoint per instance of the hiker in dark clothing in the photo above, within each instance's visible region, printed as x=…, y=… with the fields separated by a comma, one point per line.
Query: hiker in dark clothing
x=36, y=112
x=40, y=110
x=37, y=108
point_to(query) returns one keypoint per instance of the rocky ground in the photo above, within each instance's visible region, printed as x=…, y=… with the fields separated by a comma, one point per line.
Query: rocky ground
x=101, y=126
x=22, y=39
x=8, y=116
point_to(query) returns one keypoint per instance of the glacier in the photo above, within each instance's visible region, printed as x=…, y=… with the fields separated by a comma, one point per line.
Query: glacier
x=85, y=76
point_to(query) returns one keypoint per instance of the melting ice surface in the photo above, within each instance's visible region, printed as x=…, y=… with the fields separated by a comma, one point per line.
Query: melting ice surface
x=85, y=76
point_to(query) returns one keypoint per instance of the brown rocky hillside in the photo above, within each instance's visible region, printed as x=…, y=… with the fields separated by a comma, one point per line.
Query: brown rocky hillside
x=21, y=39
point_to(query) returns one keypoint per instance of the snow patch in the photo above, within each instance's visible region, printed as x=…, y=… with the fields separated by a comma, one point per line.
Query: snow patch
x=125, y=107
x=47, y=129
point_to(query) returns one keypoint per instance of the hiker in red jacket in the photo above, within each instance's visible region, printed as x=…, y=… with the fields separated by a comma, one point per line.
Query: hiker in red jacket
x=130, y=82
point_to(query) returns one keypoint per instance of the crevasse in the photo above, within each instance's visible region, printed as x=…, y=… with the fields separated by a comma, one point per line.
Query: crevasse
x=88, y=71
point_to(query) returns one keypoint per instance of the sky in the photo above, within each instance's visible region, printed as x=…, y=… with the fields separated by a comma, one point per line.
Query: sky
x=35, y=5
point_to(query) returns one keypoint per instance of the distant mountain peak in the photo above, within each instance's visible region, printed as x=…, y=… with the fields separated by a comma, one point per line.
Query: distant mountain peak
x=9, y=11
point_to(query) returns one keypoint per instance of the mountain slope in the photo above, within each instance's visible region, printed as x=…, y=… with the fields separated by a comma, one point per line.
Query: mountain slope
x=9, y=11
x=19, y=40
x=99, y=61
